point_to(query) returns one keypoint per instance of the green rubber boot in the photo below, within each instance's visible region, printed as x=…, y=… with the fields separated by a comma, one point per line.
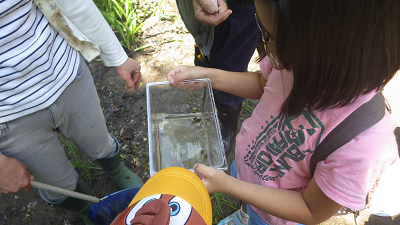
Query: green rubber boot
x=79, y=206
x=118, y=172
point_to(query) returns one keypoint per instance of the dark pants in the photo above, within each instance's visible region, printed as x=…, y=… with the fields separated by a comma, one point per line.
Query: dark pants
x=235, y=41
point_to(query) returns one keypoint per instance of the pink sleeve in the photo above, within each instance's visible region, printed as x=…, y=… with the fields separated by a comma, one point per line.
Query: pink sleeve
x=266, y=67
x=350, y=172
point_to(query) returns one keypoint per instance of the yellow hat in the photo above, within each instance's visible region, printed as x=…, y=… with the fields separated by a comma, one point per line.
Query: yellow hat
x=176, y=183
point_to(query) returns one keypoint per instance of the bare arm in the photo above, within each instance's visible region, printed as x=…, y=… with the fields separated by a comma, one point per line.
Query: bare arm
x=243, y=84
x=88, y=19
x=310, y=207
x=13, y=175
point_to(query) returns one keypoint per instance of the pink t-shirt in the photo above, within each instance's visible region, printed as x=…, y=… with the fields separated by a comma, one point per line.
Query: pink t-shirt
x=276, y=153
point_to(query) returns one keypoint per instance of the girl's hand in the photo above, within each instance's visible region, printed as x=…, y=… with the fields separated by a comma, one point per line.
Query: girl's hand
x=213, y=179
x=178, y=77
x=130, y=73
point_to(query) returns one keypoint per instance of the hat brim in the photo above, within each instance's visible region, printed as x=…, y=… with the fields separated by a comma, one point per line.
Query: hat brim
x=182, y=183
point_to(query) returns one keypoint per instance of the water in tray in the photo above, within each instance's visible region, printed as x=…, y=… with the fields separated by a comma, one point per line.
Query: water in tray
x=181, y=140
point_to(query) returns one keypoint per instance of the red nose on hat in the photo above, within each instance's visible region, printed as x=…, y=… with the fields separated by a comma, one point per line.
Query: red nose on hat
x=154, y=212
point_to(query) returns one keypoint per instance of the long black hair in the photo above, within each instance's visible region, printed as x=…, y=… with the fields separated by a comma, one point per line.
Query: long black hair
x=336, y=49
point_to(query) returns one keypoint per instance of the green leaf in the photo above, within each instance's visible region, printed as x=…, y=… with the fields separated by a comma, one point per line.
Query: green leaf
x=109, y=18
x=143, y=47
x=164, y=42
x=123, y=156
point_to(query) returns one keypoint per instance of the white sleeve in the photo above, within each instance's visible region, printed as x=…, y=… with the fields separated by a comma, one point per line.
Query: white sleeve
x=88, y=19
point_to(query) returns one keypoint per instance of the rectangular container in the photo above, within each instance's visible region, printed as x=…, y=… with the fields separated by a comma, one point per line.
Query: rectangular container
x=183, y=127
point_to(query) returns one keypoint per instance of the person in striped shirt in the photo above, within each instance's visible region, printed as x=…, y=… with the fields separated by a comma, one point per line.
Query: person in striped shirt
x=46, y=89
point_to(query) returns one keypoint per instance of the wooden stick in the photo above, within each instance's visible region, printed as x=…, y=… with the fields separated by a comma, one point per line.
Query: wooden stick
x=62, y=191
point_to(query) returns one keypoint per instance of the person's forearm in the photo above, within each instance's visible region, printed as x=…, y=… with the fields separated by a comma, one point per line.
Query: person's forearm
x=88, y=19
x=285, y=204
x=243, y=84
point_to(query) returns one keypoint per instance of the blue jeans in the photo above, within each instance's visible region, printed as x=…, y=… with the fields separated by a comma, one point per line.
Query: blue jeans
x=254, y=218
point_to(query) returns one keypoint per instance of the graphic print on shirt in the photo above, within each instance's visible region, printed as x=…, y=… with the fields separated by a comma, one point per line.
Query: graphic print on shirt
x=278, y=142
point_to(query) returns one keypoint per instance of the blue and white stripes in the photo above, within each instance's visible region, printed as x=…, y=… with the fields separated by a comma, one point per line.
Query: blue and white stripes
x=36, y=64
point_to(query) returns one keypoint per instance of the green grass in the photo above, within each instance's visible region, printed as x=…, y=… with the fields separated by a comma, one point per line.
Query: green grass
x=84, y=167
x=248, y=105
x=222, y=206
x=128, y=18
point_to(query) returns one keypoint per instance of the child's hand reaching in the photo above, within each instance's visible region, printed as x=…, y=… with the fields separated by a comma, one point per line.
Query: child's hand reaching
x=180, y=74
x=244, y=84
x=213, y=179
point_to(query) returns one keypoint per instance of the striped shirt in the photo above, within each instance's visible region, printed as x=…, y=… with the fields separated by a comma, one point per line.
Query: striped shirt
x=36, y=63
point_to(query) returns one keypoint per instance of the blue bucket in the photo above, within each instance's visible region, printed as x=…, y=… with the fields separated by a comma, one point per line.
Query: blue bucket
x=104, y=212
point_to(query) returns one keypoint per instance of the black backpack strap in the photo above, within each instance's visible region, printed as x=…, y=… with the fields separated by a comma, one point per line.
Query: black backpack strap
x=357, y=122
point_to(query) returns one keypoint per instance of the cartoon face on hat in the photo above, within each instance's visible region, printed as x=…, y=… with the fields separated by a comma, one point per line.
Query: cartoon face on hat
x=173, y=196
x=161, y=210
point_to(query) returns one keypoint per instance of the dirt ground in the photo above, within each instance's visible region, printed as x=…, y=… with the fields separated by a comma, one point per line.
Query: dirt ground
x=126, y=118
